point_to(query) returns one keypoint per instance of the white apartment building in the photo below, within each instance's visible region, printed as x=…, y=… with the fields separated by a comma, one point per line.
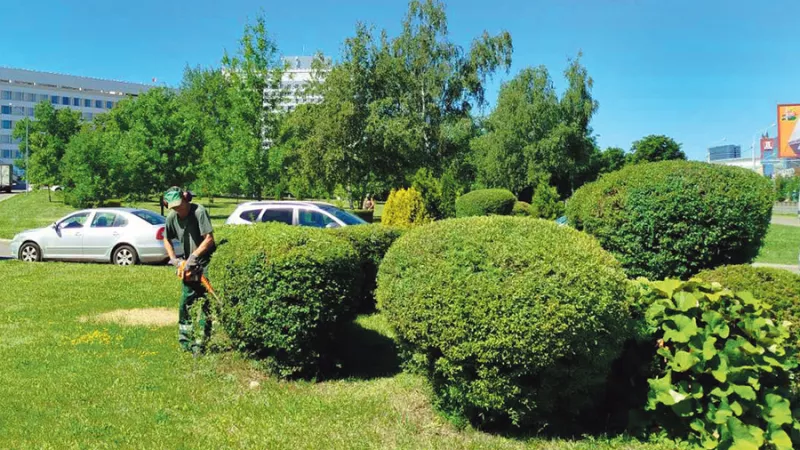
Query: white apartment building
x=21, y=90
x=298, y=75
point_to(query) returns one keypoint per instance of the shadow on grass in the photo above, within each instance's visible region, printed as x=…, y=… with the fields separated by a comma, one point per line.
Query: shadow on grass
x=366, y=354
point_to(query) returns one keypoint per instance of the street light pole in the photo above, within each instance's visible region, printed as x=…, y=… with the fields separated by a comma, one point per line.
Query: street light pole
x=27, y=151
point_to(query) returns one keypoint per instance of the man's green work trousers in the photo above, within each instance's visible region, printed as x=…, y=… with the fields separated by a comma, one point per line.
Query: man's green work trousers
x=192, y=291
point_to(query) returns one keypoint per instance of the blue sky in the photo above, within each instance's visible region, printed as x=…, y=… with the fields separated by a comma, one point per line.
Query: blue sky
x=697, y=70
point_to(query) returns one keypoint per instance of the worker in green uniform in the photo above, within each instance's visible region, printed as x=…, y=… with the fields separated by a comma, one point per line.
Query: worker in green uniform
x=190, y=224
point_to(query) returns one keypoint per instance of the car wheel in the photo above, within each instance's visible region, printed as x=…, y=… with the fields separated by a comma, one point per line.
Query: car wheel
x=30, y=252
x=124, y=255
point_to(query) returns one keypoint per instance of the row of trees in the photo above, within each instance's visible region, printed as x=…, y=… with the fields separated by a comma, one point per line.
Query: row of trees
x=396, y=111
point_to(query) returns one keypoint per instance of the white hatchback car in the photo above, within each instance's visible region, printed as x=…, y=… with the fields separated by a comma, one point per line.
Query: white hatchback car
x=122, y=236
x=307, y=214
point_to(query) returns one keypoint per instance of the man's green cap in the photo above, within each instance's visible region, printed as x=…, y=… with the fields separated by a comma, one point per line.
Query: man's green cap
x=173, y=198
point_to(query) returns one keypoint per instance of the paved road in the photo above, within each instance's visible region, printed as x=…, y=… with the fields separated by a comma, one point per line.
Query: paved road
x=795, y=269
x=786, y=220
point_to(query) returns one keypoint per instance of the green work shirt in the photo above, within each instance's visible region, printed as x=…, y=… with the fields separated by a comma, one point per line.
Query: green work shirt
x=190, y=231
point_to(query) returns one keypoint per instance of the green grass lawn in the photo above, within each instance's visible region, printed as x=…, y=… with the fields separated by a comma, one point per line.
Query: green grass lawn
x=781, y=245
x=68, y=383
x=33, y=210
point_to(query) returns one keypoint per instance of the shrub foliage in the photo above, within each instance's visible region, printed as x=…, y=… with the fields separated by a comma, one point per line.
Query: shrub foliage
x=780, y=288
x=522, y=209
x=513, y=320
x=545, y=203
x=285, y=291
x=485, y=202
x=725, y=368
x=405, y=208
x=371, y=242
x=675, y=218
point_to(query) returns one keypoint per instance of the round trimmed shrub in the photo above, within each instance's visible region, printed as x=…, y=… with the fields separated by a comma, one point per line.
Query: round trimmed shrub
x=675, y=218
x=513, y=320
x=370, y=243
x=285, y=292
x=485, y=202
x=522, y=209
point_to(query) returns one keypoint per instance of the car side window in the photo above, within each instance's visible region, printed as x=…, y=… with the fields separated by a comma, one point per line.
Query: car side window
x=103, y=220
x=281, y=215
x=313, y=219
x=120, y=221
x=250, y=215
x=74, y=221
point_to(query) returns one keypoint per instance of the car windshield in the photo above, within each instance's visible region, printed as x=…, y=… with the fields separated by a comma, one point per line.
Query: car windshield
x=346, y=217
x=149, y=217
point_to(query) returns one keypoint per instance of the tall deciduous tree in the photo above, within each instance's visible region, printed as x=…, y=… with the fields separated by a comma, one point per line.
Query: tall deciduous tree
x=255, y=93
x=395, y=105
x=532, y=132
x=48, y=137
x=655, y=148
x=612, y=159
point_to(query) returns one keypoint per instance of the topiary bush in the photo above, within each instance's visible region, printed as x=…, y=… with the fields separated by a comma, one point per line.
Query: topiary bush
x=725, y=368
x=512, y=320
x=485, y=202
x=285, y=292
x=371, y=243
x=675, y=218
x=405, y=208
x=522, y=209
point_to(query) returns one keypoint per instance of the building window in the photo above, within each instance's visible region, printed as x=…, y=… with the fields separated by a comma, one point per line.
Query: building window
x=29, y=112
x=43, y=98
x=87, y=116
x=19, y=154
x=5, y=124
x=76, y=101
x=5, y=109
x=6, y=154
x=98, y=103
x=54, y=99
x=30, y=97
x=5, y=138
x=87, y=103
x=18, y=111
x=19, y=96
x=5, y=95
x=65, y=101
x=109, y=105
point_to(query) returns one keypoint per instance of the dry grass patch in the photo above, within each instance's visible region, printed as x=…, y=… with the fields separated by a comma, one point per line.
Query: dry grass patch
x=154, y=317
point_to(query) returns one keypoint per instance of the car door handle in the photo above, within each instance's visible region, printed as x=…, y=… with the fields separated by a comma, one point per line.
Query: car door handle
x=115, y=234
x=78, y=234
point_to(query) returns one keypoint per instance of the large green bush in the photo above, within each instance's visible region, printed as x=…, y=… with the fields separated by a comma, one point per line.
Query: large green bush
x=725, y=367
x=675, y=218
x=371, y=243
x=545, y=203
x=285, y=291
x=512, y=319
x=405, y=208
x=485, y=202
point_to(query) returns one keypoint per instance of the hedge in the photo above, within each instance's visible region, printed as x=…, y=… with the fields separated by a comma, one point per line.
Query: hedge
x=522, y=209
x=370, y=243
x=285, y=291
x=513, y=320
x=485, y=202
x=675, y=218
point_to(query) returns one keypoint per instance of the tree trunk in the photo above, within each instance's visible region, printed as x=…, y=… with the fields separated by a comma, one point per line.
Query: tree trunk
x=48, y=193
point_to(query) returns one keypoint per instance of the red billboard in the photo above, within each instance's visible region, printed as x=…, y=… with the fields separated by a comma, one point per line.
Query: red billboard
x=768, y=147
